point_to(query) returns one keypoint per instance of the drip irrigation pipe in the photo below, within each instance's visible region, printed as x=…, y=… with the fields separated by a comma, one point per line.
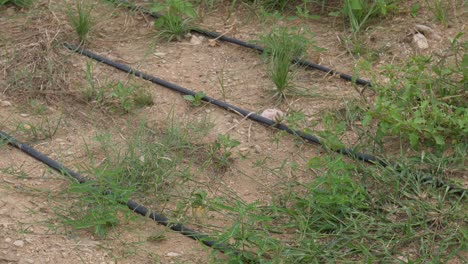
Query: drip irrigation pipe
x=251, y=115
x=132, y=205
x=222, y=37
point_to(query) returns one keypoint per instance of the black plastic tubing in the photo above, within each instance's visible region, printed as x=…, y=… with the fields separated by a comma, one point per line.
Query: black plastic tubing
x=222, y=37
x=132, y=205
x=251, y=115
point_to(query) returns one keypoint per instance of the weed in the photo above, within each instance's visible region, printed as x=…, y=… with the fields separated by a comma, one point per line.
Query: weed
x=176, y=20
x=99, y=203
x=334, y=129
x=158, y=237
x=38, y=107
x=423, y=101
x=245, y=232
x=45, y=129
x=128, y=97
x=221, y=150
x=92, y=92
x=195, y=100
x=18, y=3
x=144, y=164
x=359, y=12
x=282, y=47
x=118, y=97
x=440, y=9
x=415, y=9
x=81, y=20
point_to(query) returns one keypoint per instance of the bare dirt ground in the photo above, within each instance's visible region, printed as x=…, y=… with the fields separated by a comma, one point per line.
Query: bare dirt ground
x=30, y=39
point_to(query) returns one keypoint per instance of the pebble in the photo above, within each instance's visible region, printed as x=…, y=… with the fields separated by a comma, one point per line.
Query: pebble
x=420, y=41
x=272, y=114
x=5, y=103
x=8, y=240
x=194, y=40
x=427, y=31
x=257, y=148
x=19, y=243
x=173, y=254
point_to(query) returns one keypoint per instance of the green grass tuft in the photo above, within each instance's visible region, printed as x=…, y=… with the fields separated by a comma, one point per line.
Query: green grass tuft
x=81, y=20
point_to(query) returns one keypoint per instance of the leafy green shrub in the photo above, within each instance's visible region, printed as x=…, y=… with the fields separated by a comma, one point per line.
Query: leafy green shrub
x=424, y=101
x=332, y=196
x=100, y=203
x=175, y=22
x=195, y=100
x=127, y=97
x=221, y=150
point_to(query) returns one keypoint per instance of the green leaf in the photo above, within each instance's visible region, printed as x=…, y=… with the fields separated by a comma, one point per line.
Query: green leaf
x=316, y=163
x=414, y=140
x=156, y=8
x=439, y=140
x=189, y=98
x=367, y=119
x=356, y=4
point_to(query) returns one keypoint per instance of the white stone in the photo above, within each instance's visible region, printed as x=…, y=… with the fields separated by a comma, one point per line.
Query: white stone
x=194, y=40
x=420, y=41
x=5, y=103
x=19, y=243
x=173, y=254
x=273, y=114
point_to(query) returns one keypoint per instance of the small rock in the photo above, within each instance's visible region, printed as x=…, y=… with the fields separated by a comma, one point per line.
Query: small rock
x=258, y=149
x=5, y=103
x=195, y=40
x=426, y=31
x=19, y=243
x=24, y=115
x=159, y=54
x=420, y=41
x=173, y=254
x=8, y=240
x=273, y=114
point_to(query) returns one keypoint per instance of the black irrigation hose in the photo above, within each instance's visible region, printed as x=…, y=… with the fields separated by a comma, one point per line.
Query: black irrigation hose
x=222, y=37
x=251, y=115
x=132, y=205
x=311, y=138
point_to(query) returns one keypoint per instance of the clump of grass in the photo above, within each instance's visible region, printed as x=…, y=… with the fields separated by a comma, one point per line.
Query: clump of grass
x=46, y=128
x=440, y=9
x=177, y=18
x=115, y=96
x=81, y=20
x=127, y=97
x=359, y=12
x=18, y=3
x=424, y=101
x=221, y=150
x=99, y=204
x=282, y=47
